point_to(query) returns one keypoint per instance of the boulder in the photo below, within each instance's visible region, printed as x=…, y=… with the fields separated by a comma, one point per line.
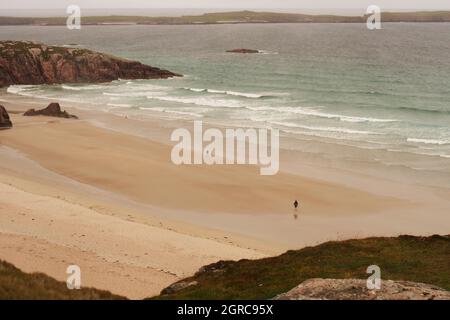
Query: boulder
x=53, y=110
x=5, y=121
x=356, y=289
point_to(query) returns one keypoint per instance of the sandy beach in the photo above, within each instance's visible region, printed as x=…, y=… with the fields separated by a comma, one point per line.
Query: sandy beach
x=112, y=202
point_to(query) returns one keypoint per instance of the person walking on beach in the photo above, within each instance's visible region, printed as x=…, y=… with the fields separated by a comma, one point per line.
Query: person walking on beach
x=295, y=208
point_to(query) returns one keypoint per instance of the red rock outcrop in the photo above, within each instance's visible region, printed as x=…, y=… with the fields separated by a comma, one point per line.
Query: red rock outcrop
x=31, y=63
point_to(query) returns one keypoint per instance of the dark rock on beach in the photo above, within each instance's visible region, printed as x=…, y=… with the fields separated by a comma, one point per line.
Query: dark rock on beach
x=53, y=110
x=243, y=51
x=5, y=121
x=23, y=62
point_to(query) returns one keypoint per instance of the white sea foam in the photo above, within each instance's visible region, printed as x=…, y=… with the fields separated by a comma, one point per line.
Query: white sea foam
x=327, y=129
x=19, y=89
x=70, y=88
x=167, y=110
x=14, y=89
x=233, y=93
x=215, y=103
x=112, y=94
x=195, y=89
x=74, y=45
x=267, y=52
x=316, y=113
x=428, y=141
x=83, y=87
x=326, y=135
x=246, y=95
x=126, y=94
x=446, y=156
x=119, y=105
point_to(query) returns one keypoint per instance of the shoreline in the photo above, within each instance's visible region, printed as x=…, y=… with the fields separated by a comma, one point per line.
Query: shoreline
x=78, y=164
x=157, y=127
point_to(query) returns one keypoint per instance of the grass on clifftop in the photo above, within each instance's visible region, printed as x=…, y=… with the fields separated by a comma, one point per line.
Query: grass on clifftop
x=419, y=259
x=17, y=285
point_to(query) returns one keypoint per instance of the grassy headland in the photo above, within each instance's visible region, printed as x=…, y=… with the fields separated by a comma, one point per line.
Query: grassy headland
x=418, y=259
x=233, y=17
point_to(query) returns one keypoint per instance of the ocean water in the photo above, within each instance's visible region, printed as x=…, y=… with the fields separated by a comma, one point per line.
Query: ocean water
x=381, y=96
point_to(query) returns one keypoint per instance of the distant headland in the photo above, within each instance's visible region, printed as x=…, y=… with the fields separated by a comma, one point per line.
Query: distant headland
x=235, y=17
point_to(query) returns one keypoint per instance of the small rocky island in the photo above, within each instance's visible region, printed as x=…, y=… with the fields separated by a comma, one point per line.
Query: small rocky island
x=241, y=50
x=24, y=62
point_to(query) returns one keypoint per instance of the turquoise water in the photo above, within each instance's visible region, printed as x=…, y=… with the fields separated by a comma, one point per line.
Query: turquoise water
x=385, y=91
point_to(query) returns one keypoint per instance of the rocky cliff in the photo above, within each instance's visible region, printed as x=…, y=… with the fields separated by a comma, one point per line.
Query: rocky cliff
x=31, y=63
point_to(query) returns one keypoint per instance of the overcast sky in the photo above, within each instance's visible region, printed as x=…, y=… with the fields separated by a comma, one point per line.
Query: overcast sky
x=254, y=4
